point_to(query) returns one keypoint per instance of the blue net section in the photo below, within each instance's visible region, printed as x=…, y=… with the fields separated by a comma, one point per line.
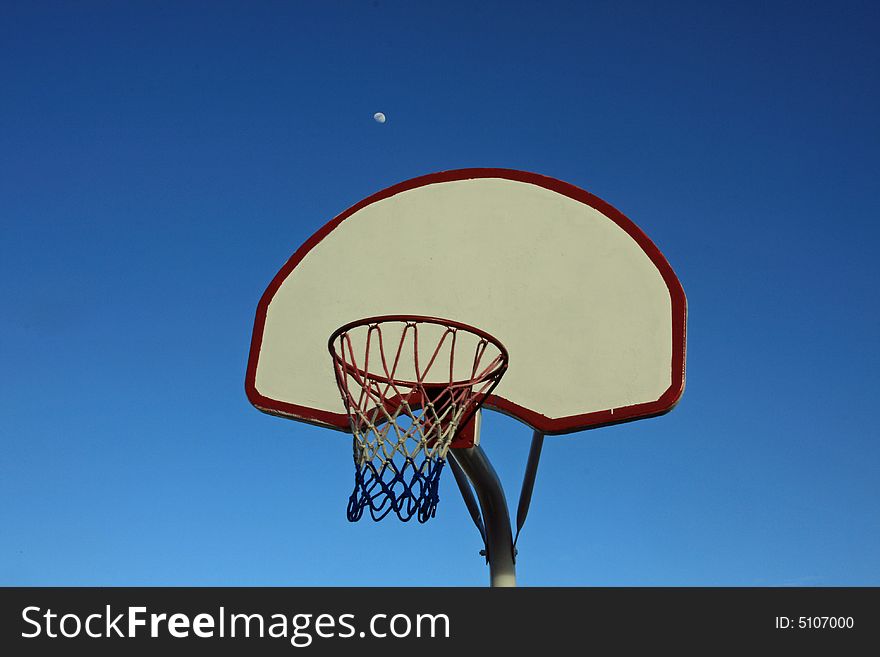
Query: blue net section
x=406, y=491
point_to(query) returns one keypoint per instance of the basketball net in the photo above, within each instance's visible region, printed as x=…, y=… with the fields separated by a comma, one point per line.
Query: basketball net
x=409, y=385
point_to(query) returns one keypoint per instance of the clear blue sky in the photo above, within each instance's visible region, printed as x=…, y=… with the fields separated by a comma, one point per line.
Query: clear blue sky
x=159, y=161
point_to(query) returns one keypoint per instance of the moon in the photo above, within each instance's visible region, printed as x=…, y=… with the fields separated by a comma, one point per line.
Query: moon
x=378, y=117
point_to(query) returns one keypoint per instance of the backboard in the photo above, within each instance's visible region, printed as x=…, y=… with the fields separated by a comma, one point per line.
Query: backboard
x=590, y=311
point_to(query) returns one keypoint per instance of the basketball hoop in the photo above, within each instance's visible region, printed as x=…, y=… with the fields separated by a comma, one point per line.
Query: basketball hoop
x=410, y=385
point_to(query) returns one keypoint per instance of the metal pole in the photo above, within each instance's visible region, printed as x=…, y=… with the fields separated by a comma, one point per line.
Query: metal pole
x=528, y=485
x=473, y=507
x=496, y=518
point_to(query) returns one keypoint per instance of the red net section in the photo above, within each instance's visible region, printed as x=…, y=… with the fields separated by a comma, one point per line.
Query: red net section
x=409, y=385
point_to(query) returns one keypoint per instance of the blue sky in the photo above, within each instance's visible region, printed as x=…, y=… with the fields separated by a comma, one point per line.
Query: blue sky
x=159, y=161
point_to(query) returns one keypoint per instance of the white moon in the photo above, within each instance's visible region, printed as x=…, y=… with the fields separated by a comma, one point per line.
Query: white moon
x=378, y=117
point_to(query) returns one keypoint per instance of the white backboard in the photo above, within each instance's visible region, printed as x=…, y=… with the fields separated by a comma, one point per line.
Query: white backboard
x=590, y=311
